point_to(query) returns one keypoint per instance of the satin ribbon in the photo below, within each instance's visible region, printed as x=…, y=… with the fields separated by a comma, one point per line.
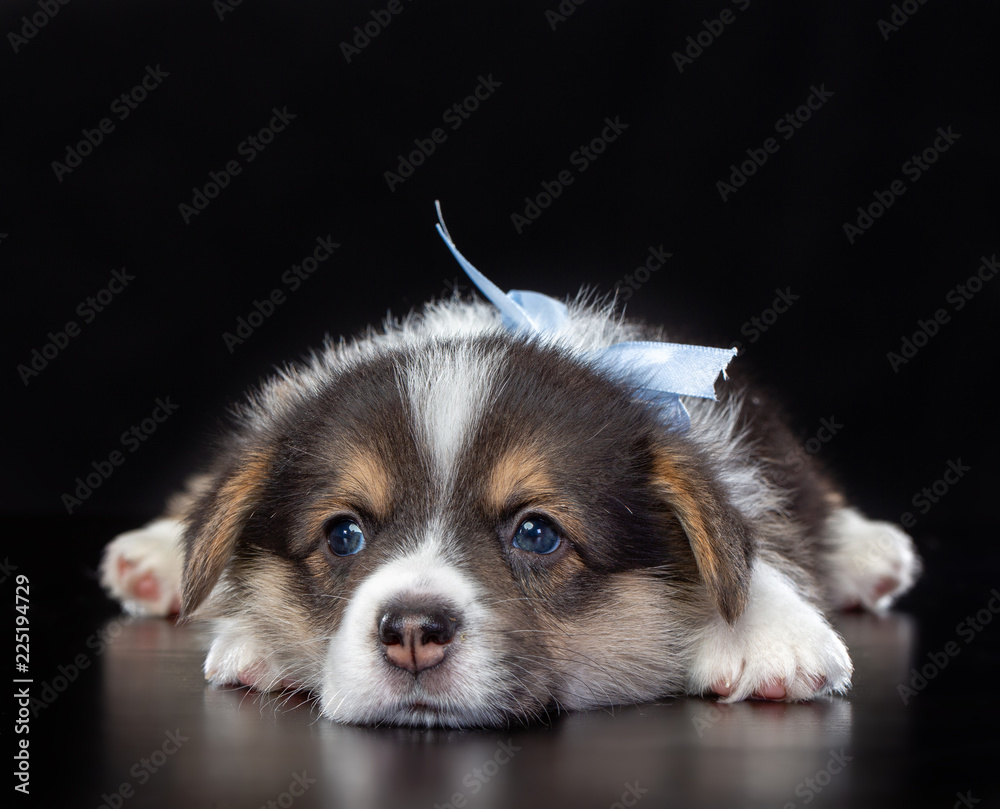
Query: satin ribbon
x=662, y=372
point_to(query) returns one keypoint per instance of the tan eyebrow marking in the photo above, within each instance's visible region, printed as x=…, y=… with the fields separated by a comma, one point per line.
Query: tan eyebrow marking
x=522, y=474
x=519, y=472
x=361, y=482
x=364, y=477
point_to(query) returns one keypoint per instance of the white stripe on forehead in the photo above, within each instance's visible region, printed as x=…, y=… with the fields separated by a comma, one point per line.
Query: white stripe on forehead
x=448, y=388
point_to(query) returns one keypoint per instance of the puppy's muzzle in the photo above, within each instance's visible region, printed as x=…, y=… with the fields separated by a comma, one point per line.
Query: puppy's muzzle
x=416, y=638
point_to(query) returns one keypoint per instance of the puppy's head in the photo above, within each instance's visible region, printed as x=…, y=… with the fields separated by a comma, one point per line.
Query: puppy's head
x=479, y=531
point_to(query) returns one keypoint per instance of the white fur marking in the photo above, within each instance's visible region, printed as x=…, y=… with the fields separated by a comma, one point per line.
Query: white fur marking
x=355, y=682
x=781, y=638
x=447, y=390
x=155, y=549
x=874, y=562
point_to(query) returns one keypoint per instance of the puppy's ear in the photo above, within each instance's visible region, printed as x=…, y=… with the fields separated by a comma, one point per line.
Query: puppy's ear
x=216, y=525
x=719, y=537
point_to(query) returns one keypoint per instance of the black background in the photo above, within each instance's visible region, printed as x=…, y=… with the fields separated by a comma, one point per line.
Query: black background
x=655, y=185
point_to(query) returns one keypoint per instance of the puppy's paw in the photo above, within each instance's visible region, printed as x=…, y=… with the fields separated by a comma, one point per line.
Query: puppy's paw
x=873, y=562
x=781, y=648
x=142, y=569
x=231, y=661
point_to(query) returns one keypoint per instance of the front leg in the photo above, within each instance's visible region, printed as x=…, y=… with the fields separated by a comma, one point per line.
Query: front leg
x=781, y=647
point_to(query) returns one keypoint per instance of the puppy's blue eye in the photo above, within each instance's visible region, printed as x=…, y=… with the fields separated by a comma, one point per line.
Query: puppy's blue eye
x=537, y=535
x=345, y=537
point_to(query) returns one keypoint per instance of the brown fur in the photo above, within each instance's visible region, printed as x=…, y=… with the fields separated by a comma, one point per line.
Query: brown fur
x=229, y=505
x=719, y=538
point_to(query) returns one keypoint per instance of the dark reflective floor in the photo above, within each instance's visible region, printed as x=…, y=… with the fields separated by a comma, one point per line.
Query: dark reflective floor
x=137, y=726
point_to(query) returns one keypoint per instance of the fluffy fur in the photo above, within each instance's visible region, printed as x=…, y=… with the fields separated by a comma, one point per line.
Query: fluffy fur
x=691, y=563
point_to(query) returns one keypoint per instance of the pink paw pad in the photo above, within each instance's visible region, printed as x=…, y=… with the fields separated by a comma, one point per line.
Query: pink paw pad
x=771, y=691
x=775, y=690
x=145, y=587
x=884, y=586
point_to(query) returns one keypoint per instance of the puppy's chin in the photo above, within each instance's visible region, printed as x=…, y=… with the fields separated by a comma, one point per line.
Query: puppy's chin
x=418, y=710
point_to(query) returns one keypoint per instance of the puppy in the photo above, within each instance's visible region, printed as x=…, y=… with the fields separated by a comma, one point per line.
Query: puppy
x=470, y=519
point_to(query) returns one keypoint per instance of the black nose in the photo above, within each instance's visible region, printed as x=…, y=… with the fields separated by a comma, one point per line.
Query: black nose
x=415, y=639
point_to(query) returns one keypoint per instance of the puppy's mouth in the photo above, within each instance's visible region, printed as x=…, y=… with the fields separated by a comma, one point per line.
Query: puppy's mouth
x=422, y=713
x=425, y=694
x=421, y=707
x=419, y=714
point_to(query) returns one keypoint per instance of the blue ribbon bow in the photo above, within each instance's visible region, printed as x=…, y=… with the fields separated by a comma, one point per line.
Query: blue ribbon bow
x=662, y=372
